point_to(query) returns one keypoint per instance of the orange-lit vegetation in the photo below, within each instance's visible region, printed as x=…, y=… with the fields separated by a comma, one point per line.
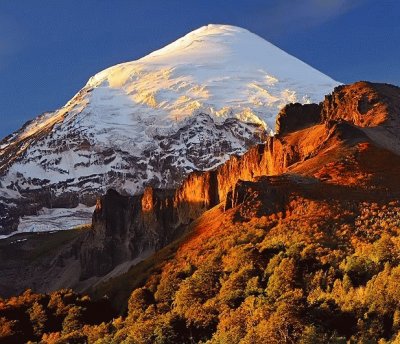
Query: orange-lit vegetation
x=320, y=272
x=61, y=317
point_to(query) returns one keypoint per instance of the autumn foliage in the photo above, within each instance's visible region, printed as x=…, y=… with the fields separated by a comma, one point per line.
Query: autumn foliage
x=61, y=317
x=323, y=272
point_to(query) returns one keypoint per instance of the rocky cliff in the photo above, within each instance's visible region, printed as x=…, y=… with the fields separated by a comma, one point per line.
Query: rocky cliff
x=330, y=135
x=363, y=104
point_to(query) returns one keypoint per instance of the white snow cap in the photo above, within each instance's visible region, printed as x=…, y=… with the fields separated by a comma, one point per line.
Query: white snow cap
x=222, y=70
x=219, y=69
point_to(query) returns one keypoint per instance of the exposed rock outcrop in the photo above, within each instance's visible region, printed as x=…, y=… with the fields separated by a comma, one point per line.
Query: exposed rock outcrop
x=296, y=116
x=373, y=107
x=363, y=104
x=269, y=193
x=123, y=227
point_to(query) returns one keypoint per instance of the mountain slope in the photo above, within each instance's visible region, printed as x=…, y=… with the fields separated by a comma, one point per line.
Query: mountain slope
x=296, y=241
x=329, y=154
x=337, y=150
x=188, y=106
x=310, y=255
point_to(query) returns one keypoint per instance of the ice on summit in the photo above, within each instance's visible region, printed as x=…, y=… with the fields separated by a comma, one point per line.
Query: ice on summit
x=218, y=69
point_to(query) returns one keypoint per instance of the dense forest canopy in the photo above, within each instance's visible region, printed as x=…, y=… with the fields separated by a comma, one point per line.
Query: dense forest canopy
x=319, y=273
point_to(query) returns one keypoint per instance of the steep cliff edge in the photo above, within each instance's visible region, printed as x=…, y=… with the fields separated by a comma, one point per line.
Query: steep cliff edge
x=332, y=145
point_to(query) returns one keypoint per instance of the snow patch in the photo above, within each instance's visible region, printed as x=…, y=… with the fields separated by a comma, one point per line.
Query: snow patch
x=56, y=219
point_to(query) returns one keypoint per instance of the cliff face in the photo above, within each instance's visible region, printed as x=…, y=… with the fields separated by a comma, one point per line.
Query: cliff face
x=329, y=137
x=124, y=227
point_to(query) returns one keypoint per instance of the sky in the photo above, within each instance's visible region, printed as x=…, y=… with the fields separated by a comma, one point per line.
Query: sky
x=49, y=49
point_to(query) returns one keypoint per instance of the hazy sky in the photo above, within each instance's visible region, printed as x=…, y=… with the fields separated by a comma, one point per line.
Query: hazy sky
x=49, y=48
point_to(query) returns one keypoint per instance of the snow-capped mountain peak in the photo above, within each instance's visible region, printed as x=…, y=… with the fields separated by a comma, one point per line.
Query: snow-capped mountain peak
x=218, y=69
x=187, y=106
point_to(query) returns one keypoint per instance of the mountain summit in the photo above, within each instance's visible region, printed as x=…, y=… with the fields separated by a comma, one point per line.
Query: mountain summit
x=188, y=106
x=221, y=70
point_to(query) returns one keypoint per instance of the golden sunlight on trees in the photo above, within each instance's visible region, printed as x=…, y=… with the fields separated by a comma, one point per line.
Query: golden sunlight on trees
x=263, y=281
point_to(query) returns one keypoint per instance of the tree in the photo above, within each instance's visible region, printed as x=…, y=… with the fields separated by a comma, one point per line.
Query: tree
x=140, y=299
x=282, y=279
x=312, y=335
x=6, y=329
x=192, y=298
x=38, y=318
x=74, y=319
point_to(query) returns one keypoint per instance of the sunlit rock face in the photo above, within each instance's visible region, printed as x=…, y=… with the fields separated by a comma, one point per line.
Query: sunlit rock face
x=332, y=159
x=330, y=151
x=188, y=106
